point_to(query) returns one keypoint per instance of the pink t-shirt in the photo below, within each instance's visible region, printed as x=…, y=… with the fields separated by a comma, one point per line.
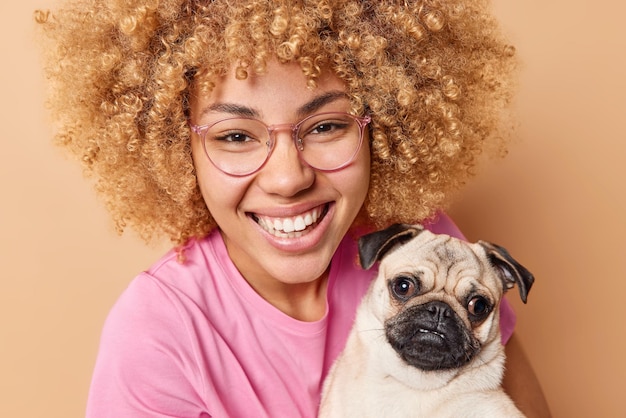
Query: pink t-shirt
x=195, y=340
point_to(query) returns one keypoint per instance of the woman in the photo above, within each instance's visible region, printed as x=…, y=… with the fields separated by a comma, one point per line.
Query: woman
x=261, y=137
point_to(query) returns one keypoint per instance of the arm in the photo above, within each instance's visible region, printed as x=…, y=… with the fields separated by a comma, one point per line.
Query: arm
x=521, y=383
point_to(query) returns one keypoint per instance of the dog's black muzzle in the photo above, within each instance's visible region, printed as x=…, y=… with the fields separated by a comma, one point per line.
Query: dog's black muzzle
x=431, y=336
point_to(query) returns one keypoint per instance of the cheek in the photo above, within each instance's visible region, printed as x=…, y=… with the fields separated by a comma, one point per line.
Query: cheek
x=357, y=176
x=489, y=329
x=352, y=185
x=219, y=191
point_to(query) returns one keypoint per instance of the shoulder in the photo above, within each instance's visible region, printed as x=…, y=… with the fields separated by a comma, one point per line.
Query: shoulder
x=443, y=224
x=348, y=281
x=146, y=356
x=150, y=343
x=173, y=289
x=190, y=259
x=160, y=305
x=345, y=267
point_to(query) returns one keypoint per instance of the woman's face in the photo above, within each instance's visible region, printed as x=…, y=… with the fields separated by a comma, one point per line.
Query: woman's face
x=285, y=190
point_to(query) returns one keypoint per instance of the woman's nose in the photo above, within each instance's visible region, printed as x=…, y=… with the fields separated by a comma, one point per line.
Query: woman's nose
x=285, y=173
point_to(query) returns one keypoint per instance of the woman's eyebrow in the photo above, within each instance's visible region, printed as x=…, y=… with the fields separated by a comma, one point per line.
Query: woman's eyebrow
x=320, y=101
x=234, y=109
x=248, y=112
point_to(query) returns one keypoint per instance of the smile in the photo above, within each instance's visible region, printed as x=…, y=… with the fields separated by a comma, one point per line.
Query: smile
x=291, y=227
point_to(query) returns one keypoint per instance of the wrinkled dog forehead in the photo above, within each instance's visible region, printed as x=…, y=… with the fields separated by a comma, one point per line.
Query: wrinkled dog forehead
x=441, y=262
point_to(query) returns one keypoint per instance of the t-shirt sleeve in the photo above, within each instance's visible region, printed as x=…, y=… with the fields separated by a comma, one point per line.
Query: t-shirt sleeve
x=442, y=224
x=144, y=362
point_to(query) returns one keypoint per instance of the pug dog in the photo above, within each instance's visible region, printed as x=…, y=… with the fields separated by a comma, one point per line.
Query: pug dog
x=426, y=339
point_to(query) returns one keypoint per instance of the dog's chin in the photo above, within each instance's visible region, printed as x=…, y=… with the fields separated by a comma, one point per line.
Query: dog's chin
x=431, y=342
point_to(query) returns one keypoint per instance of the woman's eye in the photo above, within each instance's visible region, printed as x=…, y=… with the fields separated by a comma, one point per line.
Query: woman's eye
x=234, y=137
x=322, y=127
x=478, y=307
x=404, y=287
x=327, y=127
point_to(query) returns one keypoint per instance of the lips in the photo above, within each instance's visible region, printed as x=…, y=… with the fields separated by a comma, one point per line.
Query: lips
x=428, y=331
x=291, y=227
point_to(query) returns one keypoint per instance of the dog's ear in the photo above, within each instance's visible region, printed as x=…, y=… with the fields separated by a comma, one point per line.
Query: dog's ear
x=374, y=245
x=510, y=271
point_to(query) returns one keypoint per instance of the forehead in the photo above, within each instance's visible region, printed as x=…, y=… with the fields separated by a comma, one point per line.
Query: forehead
x=438, y=257
x=282, y=89
x=434, y=248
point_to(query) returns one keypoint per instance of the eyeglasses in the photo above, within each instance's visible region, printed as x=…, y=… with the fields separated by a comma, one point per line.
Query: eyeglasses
x=241, y=146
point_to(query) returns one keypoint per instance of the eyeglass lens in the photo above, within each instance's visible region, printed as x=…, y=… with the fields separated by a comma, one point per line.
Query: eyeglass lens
x=240, y=146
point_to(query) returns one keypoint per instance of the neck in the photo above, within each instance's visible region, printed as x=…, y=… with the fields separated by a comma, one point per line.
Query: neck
x=302, y=301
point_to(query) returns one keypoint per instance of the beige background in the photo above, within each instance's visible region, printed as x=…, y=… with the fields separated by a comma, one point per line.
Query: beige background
x=557, y=202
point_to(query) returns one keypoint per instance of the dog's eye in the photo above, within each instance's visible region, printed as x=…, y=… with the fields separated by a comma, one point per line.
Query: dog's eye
x=404, y=287
x=478, y=307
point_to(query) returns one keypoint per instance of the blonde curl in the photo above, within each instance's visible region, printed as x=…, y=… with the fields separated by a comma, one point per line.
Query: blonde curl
x=435, y=75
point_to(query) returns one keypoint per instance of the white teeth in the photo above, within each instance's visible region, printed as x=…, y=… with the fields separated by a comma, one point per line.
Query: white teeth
x=299, y=224
x=289, y=227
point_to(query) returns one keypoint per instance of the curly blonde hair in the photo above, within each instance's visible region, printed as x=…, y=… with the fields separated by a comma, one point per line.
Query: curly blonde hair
x=434, y=75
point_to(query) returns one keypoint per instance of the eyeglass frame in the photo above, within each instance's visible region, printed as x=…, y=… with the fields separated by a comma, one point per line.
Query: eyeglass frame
x=362, y=122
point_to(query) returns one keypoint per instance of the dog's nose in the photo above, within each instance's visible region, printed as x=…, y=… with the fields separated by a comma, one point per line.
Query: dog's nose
x=438, y=310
